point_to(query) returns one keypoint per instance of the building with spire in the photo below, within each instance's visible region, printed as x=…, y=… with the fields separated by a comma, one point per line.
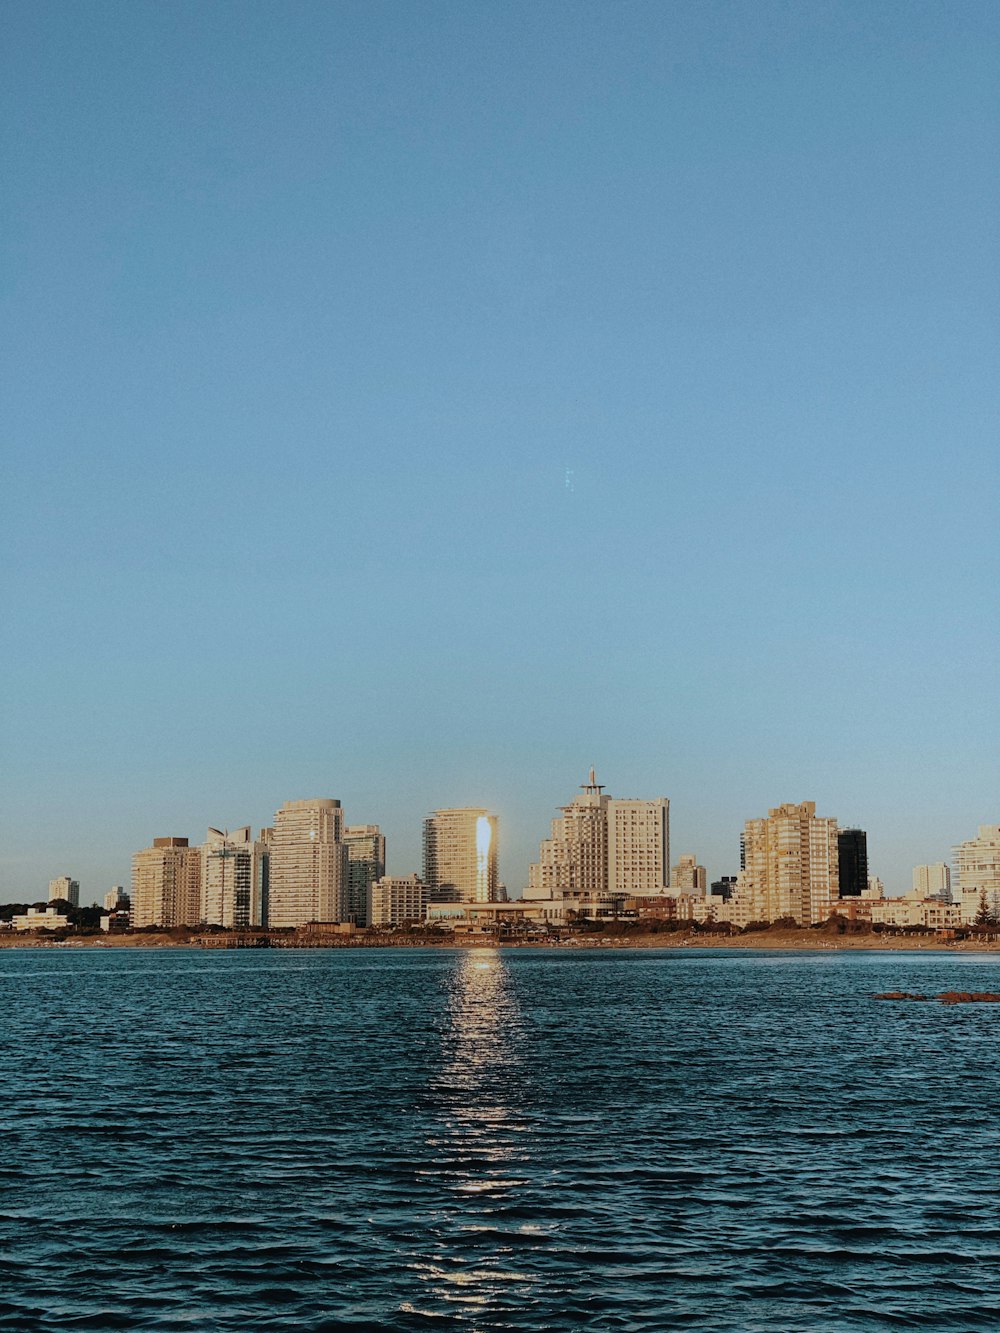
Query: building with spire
x=604, y=845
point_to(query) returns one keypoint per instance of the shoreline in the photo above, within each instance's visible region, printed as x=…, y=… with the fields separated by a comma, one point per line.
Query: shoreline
x=806, y=940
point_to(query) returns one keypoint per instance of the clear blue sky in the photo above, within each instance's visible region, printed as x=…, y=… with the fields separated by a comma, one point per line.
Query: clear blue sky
x=310, y=307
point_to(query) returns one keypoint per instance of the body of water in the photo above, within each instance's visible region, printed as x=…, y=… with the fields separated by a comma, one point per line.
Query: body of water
x=483, y=1139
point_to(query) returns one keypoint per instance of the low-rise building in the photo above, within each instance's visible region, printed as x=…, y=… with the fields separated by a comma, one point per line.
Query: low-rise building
x=395, y=899
x=40, y=918
x=913, y=910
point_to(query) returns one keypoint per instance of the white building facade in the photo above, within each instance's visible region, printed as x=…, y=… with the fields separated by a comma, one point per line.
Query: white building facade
x=308, y=863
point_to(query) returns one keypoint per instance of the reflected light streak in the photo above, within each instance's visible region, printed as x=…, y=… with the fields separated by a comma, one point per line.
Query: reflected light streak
x=477, y=1146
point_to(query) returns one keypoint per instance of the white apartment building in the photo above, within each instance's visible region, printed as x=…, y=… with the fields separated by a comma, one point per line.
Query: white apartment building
x=916, y=910
x=395, y=899
x=638, y=845
x=308, y=863
x=234, y=879
x=460, y=855
x=64, y=889
x=977, y=865
x=933, y=881
x=115, y=898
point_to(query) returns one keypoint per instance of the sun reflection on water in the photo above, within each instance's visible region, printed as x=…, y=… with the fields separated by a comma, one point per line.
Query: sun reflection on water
x=476, y=1147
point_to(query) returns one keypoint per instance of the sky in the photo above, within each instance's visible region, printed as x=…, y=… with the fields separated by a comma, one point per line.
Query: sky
x=419, y=403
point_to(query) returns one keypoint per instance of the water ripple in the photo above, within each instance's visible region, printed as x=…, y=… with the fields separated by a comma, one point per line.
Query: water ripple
x=473, y=1140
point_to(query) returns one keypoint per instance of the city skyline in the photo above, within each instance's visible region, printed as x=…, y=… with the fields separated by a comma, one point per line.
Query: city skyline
x=372, y=841
x=483, y=393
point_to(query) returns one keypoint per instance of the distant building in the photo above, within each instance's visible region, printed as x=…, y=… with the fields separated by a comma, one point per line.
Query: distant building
x=688, y=876
x=64, y=889
x=791, y=867
x=365, y=864
x=308, y=866
x=40, y=918
x=234, y=879
x=933, y=881
x=395, y=899
x=460, y=855
x=852, y=862
x=116, y=898
x=723, y=888
x=166, y=884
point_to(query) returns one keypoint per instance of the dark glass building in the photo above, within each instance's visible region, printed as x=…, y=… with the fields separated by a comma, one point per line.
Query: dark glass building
x=852, y=861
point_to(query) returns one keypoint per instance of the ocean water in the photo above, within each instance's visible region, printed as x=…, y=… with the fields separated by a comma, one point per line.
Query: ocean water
x=480, y=1139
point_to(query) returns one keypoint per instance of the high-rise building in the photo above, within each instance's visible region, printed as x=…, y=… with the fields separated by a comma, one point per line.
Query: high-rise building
x=116, y=899
x=460, y=855
x=575, y=855
x=234, y=877
x=365, y=864
x=166, y=884
x=977, y=865
x=852, y=862
x=933, y=881
x=688, y=876
x=638, y=845
x=64, y=889
x=790, y=866
x=308, y=863
x=394, y=899
x=604, y=844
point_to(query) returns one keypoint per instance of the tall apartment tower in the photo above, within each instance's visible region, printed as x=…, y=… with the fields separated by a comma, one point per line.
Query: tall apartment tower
x=460, y=855
x=638, y=845
x=791, y=865
x=365, y=866
x=166, y=884
x=852, y=862
x=933, y=881
x=308, y=863
x=234, y=879
x=64, y=889
x=575, y=855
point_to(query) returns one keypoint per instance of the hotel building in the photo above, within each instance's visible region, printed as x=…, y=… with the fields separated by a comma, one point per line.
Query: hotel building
x=602, y=844
x=460, y=855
